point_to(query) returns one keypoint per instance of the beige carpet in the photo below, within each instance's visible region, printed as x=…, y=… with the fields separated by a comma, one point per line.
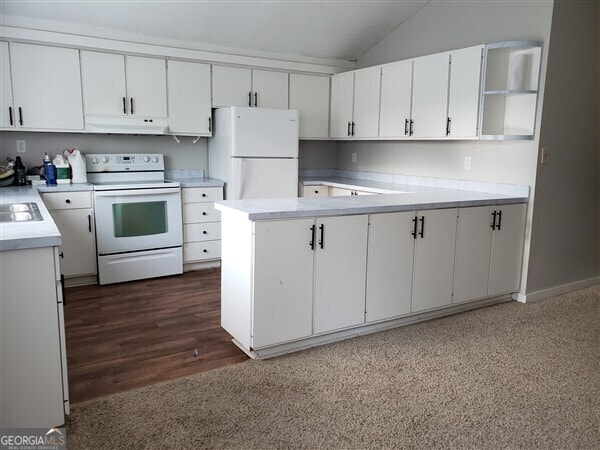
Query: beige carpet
x=510, y=375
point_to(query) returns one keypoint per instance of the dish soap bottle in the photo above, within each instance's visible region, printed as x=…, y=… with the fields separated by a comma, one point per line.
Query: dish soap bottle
x=49, y=171
x=20, y=179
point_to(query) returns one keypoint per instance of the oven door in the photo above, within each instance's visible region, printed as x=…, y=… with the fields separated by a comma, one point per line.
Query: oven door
x=138, y=219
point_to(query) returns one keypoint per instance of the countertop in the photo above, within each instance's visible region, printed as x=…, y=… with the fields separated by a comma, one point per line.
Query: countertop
x=33, y=234
x=77, y=187
x=406, y=197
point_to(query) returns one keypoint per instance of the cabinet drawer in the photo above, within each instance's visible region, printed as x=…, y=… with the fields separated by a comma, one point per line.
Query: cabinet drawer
x=67, y=200
x=195, y=232
x=315, y=191
x=198, y=251
x=205, y=194
x=200, y=212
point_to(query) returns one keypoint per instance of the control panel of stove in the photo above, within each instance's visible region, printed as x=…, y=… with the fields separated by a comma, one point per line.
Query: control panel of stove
x=120, y=162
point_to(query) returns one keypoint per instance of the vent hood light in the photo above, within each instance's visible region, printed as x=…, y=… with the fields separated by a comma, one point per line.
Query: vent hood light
x=125, y=125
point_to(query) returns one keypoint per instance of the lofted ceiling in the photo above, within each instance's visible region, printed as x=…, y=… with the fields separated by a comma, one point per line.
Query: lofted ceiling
x=338, y=30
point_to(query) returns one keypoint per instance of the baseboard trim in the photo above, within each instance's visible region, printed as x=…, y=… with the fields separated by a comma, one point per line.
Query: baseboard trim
x=556, y=290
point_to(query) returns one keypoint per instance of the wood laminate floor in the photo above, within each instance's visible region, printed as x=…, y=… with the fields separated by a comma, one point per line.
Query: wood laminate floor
x=128, y=335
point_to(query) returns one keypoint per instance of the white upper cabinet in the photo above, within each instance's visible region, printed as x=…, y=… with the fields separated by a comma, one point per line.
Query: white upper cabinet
x=463, y=98
x=7, y=112
x=231, y=86
x=46, y=84
x=103, y=81
x=236, y=86
x=189, y=98
x=365, y=122
x=309, y=94
x=355, y=103
x=342, y=96
x=115, y=84
x=396, y=98
x=147, y=86
x=430, y=96
x=269, y=89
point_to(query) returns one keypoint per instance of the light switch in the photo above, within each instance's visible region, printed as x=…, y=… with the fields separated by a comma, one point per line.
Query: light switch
x=354, y=157
x=467, y=163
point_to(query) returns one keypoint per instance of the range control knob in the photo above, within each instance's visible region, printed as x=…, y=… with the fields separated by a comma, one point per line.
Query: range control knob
x=155, y=159
x=146, y=159
x=105, y=159
x=95, y=160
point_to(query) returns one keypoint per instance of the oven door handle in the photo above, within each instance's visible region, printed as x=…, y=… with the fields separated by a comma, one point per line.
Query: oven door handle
x=125, y=192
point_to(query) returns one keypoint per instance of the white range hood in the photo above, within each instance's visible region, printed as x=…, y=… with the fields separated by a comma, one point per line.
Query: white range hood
x=125, y=125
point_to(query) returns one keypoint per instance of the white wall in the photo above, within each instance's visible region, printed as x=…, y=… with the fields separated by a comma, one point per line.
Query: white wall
x=177, y=156
x=442, y=26
x=566, y=219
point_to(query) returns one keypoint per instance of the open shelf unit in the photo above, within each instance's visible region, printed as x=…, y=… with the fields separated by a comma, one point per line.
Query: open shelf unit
x=509, y=90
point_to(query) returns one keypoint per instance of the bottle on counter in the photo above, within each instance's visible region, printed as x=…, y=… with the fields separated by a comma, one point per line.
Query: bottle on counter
x=20, y=172
x=63, y=170
x=49, y=171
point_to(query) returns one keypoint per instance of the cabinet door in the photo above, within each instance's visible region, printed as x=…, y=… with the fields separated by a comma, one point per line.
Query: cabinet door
x=147, y=86
x=340, y=268
x=46, y=87
x=396, y=96
x=473, y=251
x=78, y=247
x=270, y=89
x=434, y=259
x=463, y=98
x=309, y=94
x=507, y=249
x=7, y=113
x=103, y=81
x=283, y=283
x=367, y=85
x=231, y=86
x=336, y=191
x=342, y=88
x=189, y=98
x=30, y=351
x=390, y=265
x=430, y=96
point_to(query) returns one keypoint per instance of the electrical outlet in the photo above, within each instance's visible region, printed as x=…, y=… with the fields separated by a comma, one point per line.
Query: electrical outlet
x=467, y=163
x=21, y=146
x=353, y=157
x=544, y=156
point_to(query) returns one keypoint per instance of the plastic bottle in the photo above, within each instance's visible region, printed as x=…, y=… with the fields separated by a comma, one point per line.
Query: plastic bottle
x=77, y=163
x=63, y=171
x=49, y=171
x=20, y=172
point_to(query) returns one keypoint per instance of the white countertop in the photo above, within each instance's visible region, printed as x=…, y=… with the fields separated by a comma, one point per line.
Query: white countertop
x=197, y=182
x=32, y=234
x=413, y=197
x=77, y=187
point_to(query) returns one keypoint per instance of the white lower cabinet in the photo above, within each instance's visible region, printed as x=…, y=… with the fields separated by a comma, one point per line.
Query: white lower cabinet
x=489, y=248
x=33, y=363
x=201, y=224
x=389, y=265
x=340, y=267
x=507, y=249
x=292, y=283
x=314, y=191
x=434, y=258
x=74, y=216
x=283, y=282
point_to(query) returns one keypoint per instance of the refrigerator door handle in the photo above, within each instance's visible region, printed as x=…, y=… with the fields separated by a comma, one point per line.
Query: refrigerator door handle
x=239, y=168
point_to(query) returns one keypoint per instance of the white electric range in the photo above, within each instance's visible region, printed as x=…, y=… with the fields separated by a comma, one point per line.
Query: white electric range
x=138, y=217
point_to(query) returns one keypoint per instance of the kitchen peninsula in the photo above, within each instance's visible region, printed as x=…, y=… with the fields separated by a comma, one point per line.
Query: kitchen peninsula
x=299, y=272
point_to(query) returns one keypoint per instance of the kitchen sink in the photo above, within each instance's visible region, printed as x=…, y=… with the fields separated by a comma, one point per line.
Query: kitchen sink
x=20, y=212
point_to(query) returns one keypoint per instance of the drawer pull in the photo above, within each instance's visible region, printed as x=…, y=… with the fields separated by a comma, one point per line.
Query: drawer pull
x=203, y=194
x=205, y=251
x=204, y=232
x=68, y=200
x=203, y=213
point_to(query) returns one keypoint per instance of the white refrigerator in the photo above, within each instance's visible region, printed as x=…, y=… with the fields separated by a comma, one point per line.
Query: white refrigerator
x=255, y=152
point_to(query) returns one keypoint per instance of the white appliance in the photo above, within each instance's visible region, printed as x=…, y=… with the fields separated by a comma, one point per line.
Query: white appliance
x=255, y=152
x=138, y=217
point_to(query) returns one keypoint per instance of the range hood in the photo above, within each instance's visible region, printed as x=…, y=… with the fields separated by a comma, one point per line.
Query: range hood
x=125, y=125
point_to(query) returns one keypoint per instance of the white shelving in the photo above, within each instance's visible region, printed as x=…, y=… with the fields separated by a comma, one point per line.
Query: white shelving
x=510, y=90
